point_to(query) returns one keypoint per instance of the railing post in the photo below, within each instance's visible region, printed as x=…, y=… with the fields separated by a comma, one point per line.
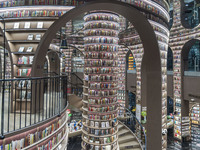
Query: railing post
x=18, y=102
x=2, y=111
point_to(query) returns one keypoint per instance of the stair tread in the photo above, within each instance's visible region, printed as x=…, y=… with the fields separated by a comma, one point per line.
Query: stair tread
x=125, y=137
x=134, y=149
x=122, y=131
x=130, y=143
x=119, y=126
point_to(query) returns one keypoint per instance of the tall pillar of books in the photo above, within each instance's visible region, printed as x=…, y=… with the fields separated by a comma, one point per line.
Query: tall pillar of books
x=100, y=97
x=121, y=80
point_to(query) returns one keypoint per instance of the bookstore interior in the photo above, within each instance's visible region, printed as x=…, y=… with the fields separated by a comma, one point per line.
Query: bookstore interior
x=83, y=74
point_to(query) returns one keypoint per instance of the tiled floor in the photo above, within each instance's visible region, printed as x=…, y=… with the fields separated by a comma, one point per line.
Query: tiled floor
x=74, y=143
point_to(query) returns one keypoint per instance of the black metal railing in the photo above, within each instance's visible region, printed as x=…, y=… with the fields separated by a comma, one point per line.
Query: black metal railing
x=76, y=85
x=130, y=120
x=28, y=101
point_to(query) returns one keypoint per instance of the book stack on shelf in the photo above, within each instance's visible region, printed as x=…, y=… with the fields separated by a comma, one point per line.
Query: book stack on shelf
x=12, y=3
x=175, y=45
x=185, y=127
x=100, y=82
x=22, y=96
x=78, y=64
x=34, y=137
x=131, y=62
x=121, y=95
x=195, y=126
x=23, y=73
x=8, y=67
x=67, y=59
x=66, y=66
x=34, y=13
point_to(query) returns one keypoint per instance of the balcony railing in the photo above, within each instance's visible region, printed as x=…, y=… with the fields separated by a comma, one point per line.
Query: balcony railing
x=26, y=102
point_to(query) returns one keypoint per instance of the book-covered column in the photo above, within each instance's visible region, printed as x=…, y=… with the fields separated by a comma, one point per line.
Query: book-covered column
x=177, y=40
x=101, y=82
x=121, y=95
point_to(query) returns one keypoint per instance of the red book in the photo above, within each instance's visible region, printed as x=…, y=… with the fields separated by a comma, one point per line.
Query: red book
x=29, y=72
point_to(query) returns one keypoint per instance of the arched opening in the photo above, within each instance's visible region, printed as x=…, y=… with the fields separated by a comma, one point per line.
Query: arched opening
x=77, y=61
x=194, y=58
x=152, y=71
x=130, y=62
x=191, y=56
x=8, y=58
x=171, y=14
x=190, y=13
x=54, y=63
x=169, y=59
x=184, y=66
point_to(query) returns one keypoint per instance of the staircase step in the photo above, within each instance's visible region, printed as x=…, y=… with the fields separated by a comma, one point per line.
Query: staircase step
x=123, y=131
x=129, y=145
x=126, y=138
x=134, y=149
x=119, y=126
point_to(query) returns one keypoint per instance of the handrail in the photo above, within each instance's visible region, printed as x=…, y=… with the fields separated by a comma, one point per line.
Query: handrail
x=77, y=77
x=30, y=101
x=77, y=31
x=31, y=78
x=133, y=116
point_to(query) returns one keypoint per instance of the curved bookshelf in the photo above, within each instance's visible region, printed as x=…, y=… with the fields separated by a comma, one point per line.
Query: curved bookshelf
x=101, y=75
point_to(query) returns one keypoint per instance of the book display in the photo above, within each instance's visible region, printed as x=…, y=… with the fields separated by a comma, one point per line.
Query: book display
x=151, y=6
x=11, y=3
x=195, y=126
x=34, y=13
x=78, y=63
x=100, y=80
x=178, y=37
x=121, y=93
x=24, y=36
x=45, y=137
x=177, y=82
x=8, y=67
x=67, y=60
x=131, y=62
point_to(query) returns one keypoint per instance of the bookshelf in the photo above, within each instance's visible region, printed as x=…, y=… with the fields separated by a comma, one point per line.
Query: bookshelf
x=178, y=37
x=100, y=81
x=46, y=136
x=195, y=126
x=121, y=93
x=25, y=27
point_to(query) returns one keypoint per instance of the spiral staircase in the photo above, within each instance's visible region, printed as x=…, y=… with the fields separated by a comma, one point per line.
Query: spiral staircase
x=127, y=139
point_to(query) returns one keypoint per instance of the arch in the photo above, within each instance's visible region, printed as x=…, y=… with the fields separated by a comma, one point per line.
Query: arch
x=127, y=60
x=9, y=53
x=171, y=14
x=46, y=66
x=170, y=105
x=185, y=52
x=185, y=13
x=184, y=57
x=77, y=53
x=169, y=59
x=54, y=63
x=152, y=71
